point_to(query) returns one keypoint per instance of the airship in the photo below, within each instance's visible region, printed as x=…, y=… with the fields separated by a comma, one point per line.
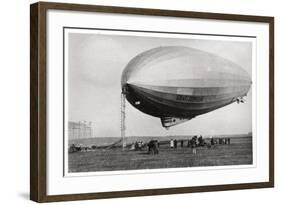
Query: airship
x=177, y=83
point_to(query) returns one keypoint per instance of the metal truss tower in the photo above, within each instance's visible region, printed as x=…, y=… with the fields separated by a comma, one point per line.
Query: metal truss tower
x=123, y=120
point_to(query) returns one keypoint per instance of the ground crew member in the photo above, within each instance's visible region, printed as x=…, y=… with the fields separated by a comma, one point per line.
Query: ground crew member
x=172, y=143
x=212, y=141
x=176, y=144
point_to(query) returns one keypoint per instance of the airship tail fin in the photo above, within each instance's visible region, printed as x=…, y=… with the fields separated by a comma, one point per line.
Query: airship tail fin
x=172, y=121
x=240, y=100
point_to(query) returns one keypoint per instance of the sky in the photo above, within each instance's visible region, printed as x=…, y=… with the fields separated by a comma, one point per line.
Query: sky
x=95, y=65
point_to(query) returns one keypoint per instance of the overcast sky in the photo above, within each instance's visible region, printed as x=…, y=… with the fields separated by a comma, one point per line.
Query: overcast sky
x=96, y=62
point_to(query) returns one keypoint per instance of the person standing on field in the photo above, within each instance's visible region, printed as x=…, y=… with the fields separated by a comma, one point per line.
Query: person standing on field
x=193, y=144
x=171, y=143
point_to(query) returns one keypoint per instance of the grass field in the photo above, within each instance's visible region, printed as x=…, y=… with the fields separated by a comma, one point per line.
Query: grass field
x=239, y=152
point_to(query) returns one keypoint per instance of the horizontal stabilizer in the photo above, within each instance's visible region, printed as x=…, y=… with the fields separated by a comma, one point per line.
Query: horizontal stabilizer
x=172, y=121
x=240, y=100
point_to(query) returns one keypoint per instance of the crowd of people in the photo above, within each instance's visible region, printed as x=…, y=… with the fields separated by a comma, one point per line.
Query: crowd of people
x=193, y=143
x=153, y=145
x=138, y=145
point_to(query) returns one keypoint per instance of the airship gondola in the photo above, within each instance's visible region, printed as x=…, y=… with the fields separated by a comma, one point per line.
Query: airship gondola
x=176, y=83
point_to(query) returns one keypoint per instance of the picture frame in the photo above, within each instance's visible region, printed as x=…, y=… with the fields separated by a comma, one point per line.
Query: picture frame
x=44, y=33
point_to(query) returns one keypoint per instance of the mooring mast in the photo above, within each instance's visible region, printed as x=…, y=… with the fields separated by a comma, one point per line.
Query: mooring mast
x=123, y=119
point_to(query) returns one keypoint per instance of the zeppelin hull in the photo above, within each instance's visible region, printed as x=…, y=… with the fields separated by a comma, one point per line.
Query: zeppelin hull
x=180, y=82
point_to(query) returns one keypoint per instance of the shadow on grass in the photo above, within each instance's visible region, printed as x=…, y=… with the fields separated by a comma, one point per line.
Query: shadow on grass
x=143, y=153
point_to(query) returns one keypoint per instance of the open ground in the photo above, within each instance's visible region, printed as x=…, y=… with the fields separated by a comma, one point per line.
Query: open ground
x=239, y=152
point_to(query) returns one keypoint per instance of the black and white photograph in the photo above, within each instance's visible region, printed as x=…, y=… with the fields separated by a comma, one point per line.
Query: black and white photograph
x=142, y=101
